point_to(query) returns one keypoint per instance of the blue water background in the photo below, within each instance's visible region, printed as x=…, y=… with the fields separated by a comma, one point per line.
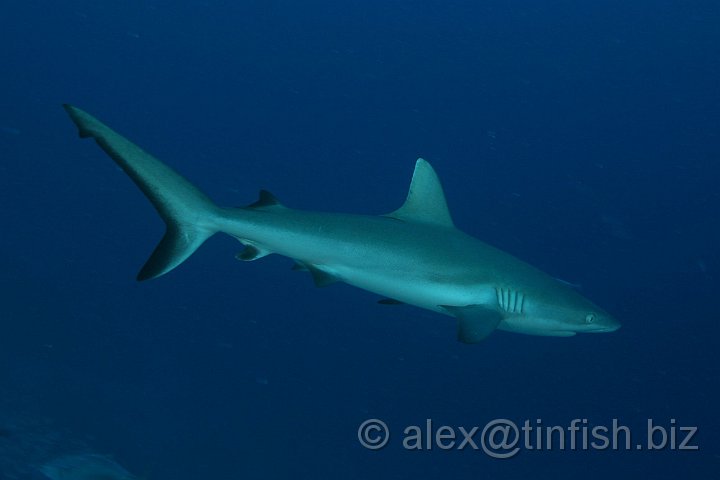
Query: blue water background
x=582, y=137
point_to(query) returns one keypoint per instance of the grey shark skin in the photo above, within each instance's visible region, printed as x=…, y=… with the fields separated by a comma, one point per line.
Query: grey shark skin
x=414, y=255
x=87, y=466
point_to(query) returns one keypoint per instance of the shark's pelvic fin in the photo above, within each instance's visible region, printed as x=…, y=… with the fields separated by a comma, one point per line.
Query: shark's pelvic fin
x=187, y=212
x=299, y=267
x=475, y=322
x=320, y=277
x=425, y=200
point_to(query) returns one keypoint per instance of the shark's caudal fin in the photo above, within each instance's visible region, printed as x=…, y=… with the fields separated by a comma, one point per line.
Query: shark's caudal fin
x=188, y=214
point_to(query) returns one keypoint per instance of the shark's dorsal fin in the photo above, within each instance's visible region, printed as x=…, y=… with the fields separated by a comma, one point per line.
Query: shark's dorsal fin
x=266, y=200
x=425, y=201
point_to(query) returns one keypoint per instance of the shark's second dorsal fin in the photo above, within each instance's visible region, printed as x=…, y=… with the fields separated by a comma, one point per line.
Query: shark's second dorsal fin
x=425, y=201
x=266, y=200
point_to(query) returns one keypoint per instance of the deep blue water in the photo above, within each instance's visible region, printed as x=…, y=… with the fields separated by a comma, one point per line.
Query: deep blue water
x=582, y=137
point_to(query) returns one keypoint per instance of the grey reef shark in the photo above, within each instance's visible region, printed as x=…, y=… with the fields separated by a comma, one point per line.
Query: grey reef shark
x=413, y=255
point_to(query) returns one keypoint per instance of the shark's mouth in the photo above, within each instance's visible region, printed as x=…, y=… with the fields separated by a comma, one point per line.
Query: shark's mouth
x=605, y=329
x=560, y=333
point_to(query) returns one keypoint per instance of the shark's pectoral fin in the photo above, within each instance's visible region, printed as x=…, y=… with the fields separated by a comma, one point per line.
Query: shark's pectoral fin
x=475, y=322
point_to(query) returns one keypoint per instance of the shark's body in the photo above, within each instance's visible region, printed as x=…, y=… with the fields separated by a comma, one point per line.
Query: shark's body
x=414, y=255
x=85, y=467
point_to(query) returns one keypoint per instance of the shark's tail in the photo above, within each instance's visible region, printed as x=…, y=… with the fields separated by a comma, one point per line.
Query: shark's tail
x=189, y=215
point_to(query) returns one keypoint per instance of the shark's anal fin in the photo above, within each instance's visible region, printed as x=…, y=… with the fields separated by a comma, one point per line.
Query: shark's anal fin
x=475, y=322
x=320, y=277
x=251, y=252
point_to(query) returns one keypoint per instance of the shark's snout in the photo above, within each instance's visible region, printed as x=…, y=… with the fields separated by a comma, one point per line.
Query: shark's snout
x=606, y=324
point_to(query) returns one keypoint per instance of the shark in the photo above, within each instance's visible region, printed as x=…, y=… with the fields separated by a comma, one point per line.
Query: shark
x=87, y=466
x=413, y=255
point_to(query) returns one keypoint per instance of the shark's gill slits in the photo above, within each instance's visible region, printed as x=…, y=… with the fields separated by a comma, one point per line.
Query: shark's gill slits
x=510, y=300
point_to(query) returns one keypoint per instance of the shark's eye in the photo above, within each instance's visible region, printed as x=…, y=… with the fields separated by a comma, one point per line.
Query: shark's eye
x=590, y=318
